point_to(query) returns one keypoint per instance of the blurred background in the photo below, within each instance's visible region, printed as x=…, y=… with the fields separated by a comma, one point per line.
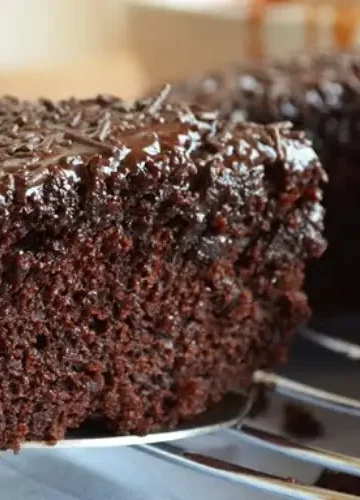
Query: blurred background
x=58, y=48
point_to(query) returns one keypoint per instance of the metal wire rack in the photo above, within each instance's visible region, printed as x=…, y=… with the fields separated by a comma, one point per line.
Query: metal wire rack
x=230, y=416
x=285, y=488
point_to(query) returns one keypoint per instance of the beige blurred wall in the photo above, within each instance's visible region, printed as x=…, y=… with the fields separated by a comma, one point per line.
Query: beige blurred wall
x=58, y=48
x=34, y=32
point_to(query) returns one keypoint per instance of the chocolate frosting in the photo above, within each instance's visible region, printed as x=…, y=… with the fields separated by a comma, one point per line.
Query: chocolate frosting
x=79, y=158
x=36, y=136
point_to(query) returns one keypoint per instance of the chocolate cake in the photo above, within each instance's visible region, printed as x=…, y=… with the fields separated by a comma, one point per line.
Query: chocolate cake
x=152, y=258
x=320, y=94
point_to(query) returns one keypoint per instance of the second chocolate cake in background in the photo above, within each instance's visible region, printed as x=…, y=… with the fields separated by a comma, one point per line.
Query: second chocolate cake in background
x=321, y=95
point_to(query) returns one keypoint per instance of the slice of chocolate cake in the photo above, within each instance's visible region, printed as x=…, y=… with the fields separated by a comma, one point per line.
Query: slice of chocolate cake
x=152, y=258
x=320, y=94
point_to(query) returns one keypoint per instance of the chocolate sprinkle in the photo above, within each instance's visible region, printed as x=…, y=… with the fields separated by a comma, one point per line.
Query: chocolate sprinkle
x=104, y=127
x=157, y=102
x=83, y=139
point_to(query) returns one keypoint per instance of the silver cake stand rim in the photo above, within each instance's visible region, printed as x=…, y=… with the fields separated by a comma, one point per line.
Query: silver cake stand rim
x=228, y=413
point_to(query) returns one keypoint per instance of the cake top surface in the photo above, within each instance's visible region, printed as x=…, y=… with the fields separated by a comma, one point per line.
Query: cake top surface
x=37, y=138
x=34, y=135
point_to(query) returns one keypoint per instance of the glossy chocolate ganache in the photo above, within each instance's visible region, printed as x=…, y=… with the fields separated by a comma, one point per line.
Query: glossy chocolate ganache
x=151, y=257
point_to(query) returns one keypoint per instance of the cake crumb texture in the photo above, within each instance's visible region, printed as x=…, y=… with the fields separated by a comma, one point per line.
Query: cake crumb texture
x=151, y=258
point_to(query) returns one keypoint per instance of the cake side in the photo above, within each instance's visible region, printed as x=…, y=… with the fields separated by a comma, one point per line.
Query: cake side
x=319, y=94
x=152, y=258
